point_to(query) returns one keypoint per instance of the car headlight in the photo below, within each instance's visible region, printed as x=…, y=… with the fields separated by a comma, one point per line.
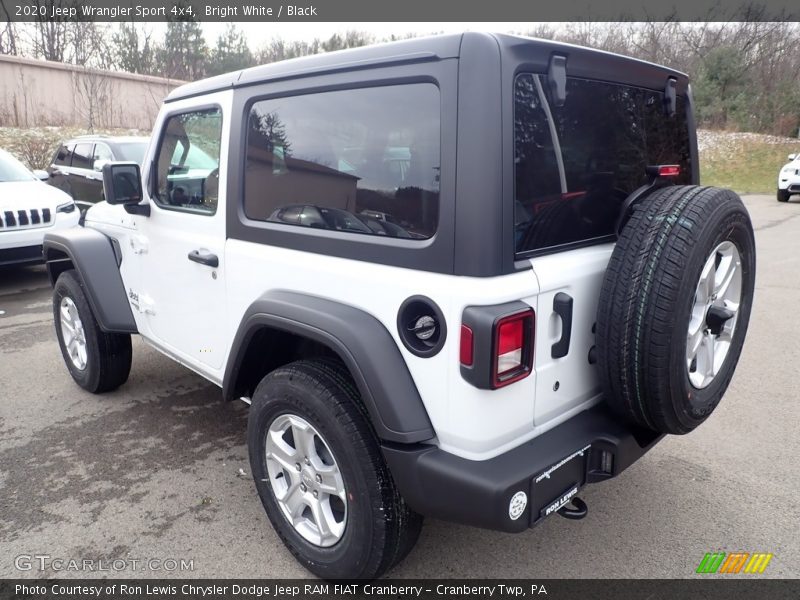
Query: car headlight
x=67, y=207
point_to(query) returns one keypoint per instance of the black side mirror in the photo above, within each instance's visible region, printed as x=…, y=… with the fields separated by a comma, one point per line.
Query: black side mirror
x=122, y=184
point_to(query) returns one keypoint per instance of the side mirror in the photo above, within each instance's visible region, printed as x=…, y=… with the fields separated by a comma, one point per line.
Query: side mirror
x=792, y=156
x=99, y=164
x=41, y=175
x=122, y=184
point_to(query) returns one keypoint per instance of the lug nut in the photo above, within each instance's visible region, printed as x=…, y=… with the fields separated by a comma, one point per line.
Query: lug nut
x=319, y=478
x=303, y=487
x=316, y=494
x=308, y=461
x=297, y=466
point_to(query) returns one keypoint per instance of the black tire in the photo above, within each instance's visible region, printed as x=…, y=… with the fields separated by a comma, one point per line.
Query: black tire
x=783, y=195
x=646, y=301
x=380, y=528
x=108, y=355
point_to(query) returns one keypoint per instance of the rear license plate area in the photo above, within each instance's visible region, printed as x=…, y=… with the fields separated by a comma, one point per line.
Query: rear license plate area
x=558, y=484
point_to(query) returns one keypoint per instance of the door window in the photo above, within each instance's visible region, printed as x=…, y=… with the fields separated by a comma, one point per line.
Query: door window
x=82, y=157
x=187, y=176
x=63, y=156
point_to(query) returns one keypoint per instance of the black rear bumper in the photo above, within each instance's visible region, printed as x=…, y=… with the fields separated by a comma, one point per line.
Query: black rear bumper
x=441, y=485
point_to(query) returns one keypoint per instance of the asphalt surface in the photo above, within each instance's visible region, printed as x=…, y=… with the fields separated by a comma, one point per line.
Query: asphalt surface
x=152, y=471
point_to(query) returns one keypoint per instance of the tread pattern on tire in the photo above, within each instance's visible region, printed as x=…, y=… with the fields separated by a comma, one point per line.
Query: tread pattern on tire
x=637, y=307
x=397, y=534
x=110, y=364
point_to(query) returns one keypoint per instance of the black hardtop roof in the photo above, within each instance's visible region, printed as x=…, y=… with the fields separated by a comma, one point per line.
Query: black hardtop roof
x=405, y=51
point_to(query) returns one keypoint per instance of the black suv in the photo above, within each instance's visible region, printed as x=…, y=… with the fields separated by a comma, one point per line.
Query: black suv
x=77, y=165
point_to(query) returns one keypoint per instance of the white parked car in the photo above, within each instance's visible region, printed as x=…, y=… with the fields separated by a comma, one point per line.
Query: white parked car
x=28, y=209
x=789, y=178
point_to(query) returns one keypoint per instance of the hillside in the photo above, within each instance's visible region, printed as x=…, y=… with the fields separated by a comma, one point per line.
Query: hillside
x=745, y=162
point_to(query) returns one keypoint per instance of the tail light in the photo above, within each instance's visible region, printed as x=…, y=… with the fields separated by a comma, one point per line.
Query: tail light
x=513, y=348
x=467, y=350
x=663, y=170
x=496, y=346
x=669, y=170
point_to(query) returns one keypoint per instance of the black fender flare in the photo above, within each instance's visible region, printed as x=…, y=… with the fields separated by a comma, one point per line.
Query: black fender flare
x=361, y=341
x=96, y=261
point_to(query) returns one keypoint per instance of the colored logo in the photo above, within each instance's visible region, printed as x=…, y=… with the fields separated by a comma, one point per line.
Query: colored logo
x=734, y=562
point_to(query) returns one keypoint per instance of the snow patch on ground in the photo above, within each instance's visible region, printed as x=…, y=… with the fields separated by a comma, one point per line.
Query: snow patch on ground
x=714, y=144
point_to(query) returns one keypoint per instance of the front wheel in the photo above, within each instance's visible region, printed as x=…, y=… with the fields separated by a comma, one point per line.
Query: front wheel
x=783, y=195
x=321, y=477
x=98, y=361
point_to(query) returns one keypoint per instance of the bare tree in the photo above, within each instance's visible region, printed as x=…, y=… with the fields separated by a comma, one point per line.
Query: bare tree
x=8, y=33
x=89, y=50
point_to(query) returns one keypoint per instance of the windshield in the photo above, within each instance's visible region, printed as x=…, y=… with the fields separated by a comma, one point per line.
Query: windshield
x=13, y=170
x=132, y=151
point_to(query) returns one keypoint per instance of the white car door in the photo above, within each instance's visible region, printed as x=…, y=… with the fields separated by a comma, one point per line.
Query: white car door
x=180, y=246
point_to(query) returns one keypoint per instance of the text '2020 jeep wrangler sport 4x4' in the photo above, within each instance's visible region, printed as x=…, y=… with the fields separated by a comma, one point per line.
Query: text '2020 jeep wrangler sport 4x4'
x=458, y=277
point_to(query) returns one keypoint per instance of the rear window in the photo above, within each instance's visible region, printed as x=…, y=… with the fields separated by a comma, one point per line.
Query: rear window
x=362, y=161
x=576, y=164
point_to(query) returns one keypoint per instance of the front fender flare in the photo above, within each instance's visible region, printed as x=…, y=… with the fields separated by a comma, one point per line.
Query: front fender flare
x=92, y=255
x=363, y=344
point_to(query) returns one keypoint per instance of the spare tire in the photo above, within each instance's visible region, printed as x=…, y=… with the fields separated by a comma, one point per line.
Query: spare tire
x=674, y=306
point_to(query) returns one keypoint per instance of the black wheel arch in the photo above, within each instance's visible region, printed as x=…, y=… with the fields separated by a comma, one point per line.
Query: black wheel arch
x=96, y=261
x=357, y=338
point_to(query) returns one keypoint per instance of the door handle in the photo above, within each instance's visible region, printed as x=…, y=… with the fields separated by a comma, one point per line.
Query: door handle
x=204, y=257
x=562, y=306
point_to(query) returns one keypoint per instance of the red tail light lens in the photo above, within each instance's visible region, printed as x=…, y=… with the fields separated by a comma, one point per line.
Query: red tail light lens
x=669, y=170
x=513, y=348
x=467, y=353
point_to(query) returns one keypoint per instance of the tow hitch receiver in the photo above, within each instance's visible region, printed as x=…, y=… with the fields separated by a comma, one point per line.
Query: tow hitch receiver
x=577, y=511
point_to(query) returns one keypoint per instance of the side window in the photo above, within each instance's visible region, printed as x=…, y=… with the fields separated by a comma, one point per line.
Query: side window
x=362, y=161
x=102, y=152
x=187, y=176
x=82, y=156
x=63, y=157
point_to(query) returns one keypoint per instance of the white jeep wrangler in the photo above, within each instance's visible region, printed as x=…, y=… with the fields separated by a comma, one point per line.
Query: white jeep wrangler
x=458, y=277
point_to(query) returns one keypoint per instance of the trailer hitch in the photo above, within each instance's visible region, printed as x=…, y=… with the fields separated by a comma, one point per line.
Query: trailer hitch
x=579, y=511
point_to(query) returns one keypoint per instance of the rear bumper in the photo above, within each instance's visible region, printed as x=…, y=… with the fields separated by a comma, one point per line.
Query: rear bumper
x=441, y=485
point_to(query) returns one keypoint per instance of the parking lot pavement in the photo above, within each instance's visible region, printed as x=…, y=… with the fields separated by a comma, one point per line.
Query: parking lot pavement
x=153, y=469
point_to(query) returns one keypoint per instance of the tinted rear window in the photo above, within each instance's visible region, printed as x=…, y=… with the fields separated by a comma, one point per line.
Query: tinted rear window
x=576, y=164
x=347, y=161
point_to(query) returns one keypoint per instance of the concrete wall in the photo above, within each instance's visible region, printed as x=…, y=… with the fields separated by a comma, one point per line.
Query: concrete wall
x=37, y=93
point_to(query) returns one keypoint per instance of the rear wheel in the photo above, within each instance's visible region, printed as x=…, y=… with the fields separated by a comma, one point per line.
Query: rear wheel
x=783, y=195
x=321, y=477
x=675, y=306
x=98, y=361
